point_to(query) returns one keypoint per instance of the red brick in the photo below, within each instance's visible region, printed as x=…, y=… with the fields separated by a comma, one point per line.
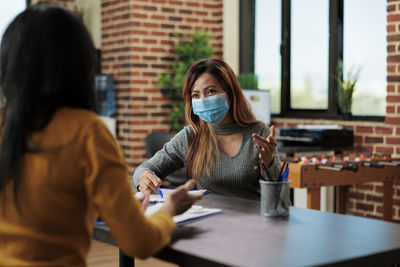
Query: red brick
x=392, y=120
x=364, y=129
x=356, y=195
x=171, y=18
x=212, y=6
x=185, y=11
x=391, y=68
x=201, y=13
x=209, y=21
x=393, y=78
x=168, y=26
x=156, y=33
x=391, y=8
x=393, y=140
x=185, y=27
x=374, y=198
x=393, y=17
x=390, y=109
x=390, y=88
x=138, y=49
x=192, y=20
x=393, y=98
x=149, y=41
x=167, y=42
x=158, y=17
x=168, y=10
x=157, y=50
x=365, y=207
x=379, y=209
x=384, y=130
x=139, y=15
x=391, y=28
x=151, y=8
x=193, y=4
x=149, y=58
x=150, y=25
x=177, y=3
x=374, y=140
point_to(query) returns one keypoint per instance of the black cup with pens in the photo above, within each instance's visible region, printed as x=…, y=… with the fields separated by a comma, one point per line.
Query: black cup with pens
x=275, y=194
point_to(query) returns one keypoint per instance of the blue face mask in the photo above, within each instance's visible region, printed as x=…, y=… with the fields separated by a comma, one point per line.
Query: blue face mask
x=210, y=109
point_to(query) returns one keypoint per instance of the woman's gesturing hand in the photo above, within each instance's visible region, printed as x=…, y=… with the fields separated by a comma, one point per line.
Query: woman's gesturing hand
x=149, y=182
x=180, y=200
x=265, y=147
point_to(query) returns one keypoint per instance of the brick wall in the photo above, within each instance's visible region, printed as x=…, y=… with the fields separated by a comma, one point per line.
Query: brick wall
x=137, y=46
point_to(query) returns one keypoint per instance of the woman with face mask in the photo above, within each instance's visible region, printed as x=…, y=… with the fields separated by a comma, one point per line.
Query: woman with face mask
x=224, y=146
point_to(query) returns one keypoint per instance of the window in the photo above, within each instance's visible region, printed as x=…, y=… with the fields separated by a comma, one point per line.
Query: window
x=360, y=48
x=267, y=44
x=309, y=54
x=318, y=40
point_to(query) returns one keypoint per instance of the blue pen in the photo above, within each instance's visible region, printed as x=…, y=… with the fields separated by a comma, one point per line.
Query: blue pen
x=158, y=189
x=286, y=174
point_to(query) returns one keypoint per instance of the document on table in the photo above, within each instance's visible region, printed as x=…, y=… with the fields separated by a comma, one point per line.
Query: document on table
x=194, y=213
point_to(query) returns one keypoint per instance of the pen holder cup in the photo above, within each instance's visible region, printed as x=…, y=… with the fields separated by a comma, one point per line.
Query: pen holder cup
x=275, y=198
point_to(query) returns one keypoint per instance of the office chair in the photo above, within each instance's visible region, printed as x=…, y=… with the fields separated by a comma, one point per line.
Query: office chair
x=154, y=142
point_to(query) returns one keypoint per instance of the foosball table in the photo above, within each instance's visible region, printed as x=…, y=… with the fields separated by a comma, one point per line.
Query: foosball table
x=342, y=172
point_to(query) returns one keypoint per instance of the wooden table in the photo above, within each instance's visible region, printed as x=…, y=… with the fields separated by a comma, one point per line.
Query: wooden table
x=242, y=237
x=312, y=177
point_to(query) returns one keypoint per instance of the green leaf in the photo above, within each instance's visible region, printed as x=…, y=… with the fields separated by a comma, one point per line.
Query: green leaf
x=188, y=50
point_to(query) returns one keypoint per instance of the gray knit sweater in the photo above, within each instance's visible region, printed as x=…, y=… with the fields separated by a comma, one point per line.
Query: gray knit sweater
x=233, y=176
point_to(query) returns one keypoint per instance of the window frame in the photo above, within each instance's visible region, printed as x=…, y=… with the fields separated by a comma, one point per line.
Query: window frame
x=336, y=14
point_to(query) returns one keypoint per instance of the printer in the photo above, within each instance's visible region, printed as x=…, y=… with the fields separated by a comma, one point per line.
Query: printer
x=314, y=138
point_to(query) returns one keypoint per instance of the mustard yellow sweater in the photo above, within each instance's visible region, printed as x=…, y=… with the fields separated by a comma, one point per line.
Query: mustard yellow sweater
x=76, y=174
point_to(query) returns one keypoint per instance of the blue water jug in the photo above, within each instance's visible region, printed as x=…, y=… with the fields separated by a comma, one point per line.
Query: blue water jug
x=105, y=97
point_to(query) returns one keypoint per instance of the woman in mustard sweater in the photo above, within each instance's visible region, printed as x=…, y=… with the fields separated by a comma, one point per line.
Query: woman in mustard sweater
x=60, y=168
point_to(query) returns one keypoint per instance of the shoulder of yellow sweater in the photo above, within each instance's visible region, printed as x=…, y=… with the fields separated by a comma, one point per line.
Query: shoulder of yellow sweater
x=65, y=127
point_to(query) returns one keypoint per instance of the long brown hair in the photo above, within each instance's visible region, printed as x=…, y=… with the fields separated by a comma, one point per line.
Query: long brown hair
x=203, y=149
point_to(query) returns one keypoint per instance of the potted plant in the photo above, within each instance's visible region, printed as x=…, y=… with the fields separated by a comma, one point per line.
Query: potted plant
x=346, y=88
x=248, y=80
x=189, y=49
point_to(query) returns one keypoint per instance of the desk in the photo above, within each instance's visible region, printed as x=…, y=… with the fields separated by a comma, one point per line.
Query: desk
x=242, y=237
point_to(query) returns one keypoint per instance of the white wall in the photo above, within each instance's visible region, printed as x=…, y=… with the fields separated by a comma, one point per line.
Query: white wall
x=231, y=34
x=91, y=17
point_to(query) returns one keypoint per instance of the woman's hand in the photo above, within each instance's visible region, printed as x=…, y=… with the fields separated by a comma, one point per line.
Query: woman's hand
x=144, y=199
x=265, y=147
x=149, y=182
x=179, y=201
